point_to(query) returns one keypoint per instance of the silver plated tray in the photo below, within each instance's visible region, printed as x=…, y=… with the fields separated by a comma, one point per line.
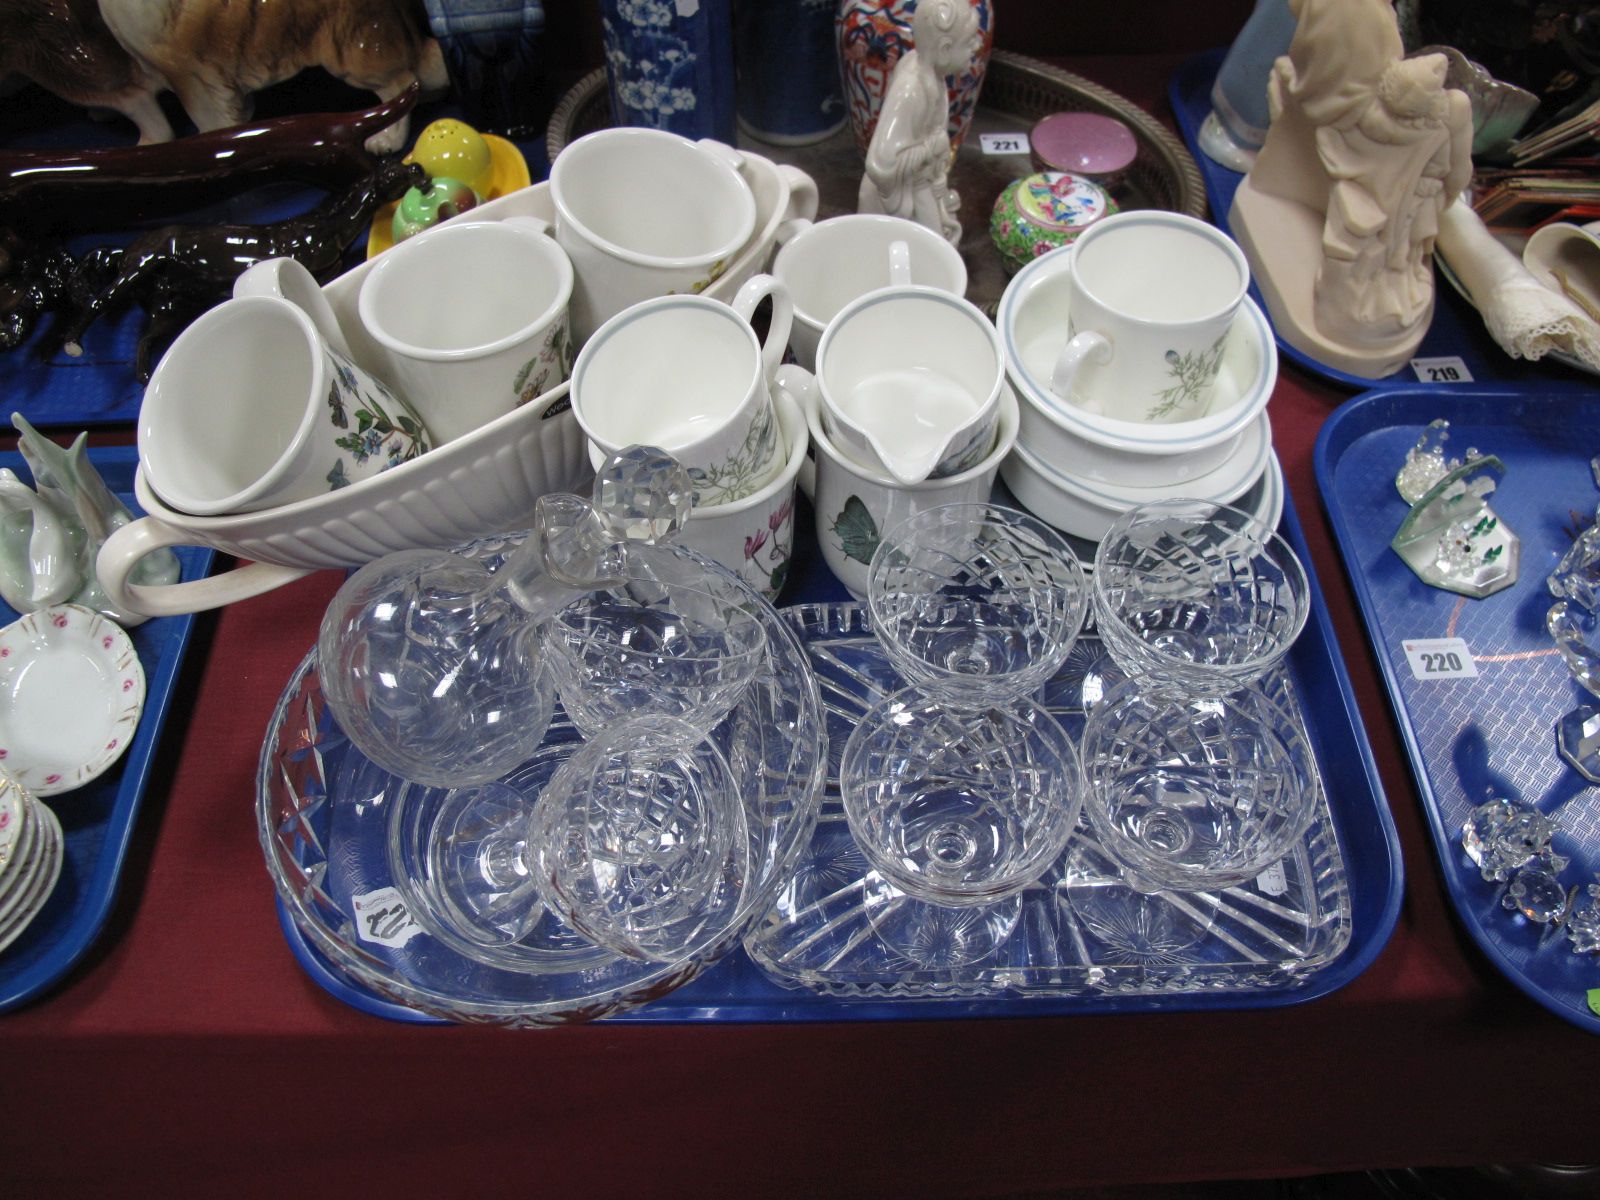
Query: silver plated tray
x=1271, y=935
x=1017, y=91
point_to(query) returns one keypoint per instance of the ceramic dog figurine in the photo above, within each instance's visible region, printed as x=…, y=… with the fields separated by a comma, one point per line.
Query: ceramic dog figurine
x=65, y=47
x=214, y=53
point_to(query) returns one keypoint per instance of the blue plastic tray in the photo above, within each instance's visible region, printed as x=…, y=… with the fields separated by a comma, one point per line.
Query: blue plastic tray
x=98, y=818
x=1496, y=731
x=737, y=990
x=1457, y=329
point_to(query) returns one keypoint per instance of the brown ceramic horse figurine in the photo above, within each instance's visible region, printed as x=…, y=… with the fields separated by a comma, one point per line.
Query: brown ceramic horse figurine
x=179, y=270
x=60, y=191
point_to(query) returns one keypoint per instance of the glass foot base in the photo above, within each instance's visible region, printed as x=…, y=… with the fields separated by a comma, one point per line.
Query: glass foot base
x=933, y=936
x=1134, y=926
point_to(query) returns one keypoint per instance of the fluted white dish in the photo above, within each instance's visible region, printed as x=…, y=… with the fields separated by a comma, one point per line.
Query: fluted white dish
x=484, y=482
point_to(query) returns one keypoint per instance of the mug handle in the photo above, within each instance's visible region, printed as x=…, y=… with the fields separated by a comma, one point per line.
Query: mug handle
x=532, y=224
x=288, y=280
x=899, y=264
x=801, y=387
x=723, y=151
x=1082, y=347
x=124, y=548
x=801, y=211
x=744, y=303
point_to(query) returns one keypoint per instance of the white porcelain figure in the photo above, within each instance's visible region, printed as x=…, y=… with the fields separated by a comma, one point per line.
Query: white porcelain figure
x=1340, y=212
x=908, y=162
x=51, y=533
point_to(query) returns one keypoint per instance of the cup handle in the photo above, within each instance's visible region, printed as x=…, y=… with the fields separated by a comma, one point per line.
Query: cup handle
x=1082, y=347
x=745, y=301
x=801, y=386
x=530, y=223
x=899, y=264
x=723, y=151
x=288, y=280
x=124, y=548
x=801, y=211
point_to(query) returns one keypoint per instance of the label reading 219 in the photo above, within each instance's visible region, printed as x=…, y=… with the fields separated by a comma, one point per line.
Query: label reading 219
x=1440, y=658
x=1445, y=369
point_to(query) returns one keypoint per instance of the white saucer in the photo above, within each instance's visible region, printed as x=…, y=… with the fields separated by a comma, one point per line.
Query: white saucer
x=18, y=913
x=1033, y=328
x=1225, y=482
x=16, y=821
x=71, y=691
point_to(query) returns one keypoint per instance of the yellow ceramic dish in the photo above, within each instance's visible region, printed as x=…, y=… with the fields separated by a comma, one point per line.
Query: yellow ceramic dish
x=510, y=173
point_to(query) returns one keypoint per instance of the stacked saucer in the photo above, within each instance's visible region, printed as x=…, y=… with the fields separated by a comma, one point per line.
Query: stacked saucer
x=1079, y=471
x=30, y=858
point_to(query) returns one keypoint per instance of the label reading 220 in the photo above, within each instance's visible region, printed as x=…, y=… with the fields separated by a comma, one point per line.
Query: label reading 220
x=1440, y=658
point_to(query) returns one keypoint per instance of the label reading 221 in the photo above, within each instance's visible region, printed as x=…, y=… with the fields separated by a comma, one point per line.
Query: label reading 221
x=1003, y=143
x=1440, y=658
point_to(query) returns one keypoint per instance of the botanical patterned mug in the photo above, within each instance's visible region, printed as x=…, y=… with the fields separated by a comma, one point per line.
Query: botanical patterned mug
x=472, y=319
x=644, y=212
x=688, y=374
x=854, y=504
x=1154, y=295
x=250, y=408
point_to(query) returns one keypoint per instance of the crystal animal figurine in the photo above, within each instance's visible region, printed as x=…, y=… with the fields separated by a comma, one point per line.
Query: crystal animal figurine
x=1583, y=924
x=1574, y=625
x=1501, y=838
x=1536, y=892
x=1451, y=538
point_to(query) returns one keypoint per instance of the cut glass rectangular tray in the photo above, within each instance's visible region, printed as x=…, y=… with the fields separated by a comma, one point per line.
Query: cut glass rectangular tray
x=1274, y=933
x=1492, y=733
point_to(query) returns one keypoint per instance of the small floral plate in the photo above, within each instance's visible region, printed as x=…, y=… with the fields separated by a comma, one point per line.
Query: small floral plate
x=71, y=691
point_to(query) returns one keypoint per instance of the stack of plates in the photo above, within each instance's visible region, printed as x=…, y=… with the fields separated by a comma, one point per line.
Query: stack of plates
x=30, y=858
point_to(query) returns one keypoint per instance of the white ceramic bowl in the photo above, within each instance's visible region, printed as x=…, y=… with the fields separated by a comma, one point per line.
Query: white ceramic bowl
x=1085, y=510
x=1033, y=328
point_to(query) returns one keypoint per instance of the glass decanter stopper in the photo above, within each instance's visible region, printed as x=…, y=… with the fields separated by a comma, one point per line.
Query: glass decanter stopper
x=434, y=666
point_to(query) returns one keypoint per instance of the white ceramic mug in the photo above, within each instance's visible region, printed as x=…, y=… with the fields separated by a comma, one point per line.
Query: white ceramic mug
x=827, y=264
x=250, y=409
x=1154, y=295
x=643, y=213
x=910, y=379
x=754, y=537
x=471, y=318
x=689, y=375
x=854, y=506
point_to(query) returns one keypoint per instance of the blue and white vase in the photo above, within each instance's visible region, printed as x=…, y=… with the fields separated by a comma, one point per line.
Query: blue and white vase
x=787, y=63
x=491, y=49
x=670, y=65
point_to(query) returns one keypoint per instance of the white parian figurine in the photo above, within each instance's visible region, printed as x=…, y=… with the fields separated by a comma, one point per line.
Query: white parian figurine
x=1340, y=212
x=908, y=162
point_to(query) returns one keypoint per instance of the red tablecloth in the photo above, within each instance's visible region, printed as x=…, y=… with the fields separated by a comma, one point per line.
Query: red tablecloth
x=190, y=1047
